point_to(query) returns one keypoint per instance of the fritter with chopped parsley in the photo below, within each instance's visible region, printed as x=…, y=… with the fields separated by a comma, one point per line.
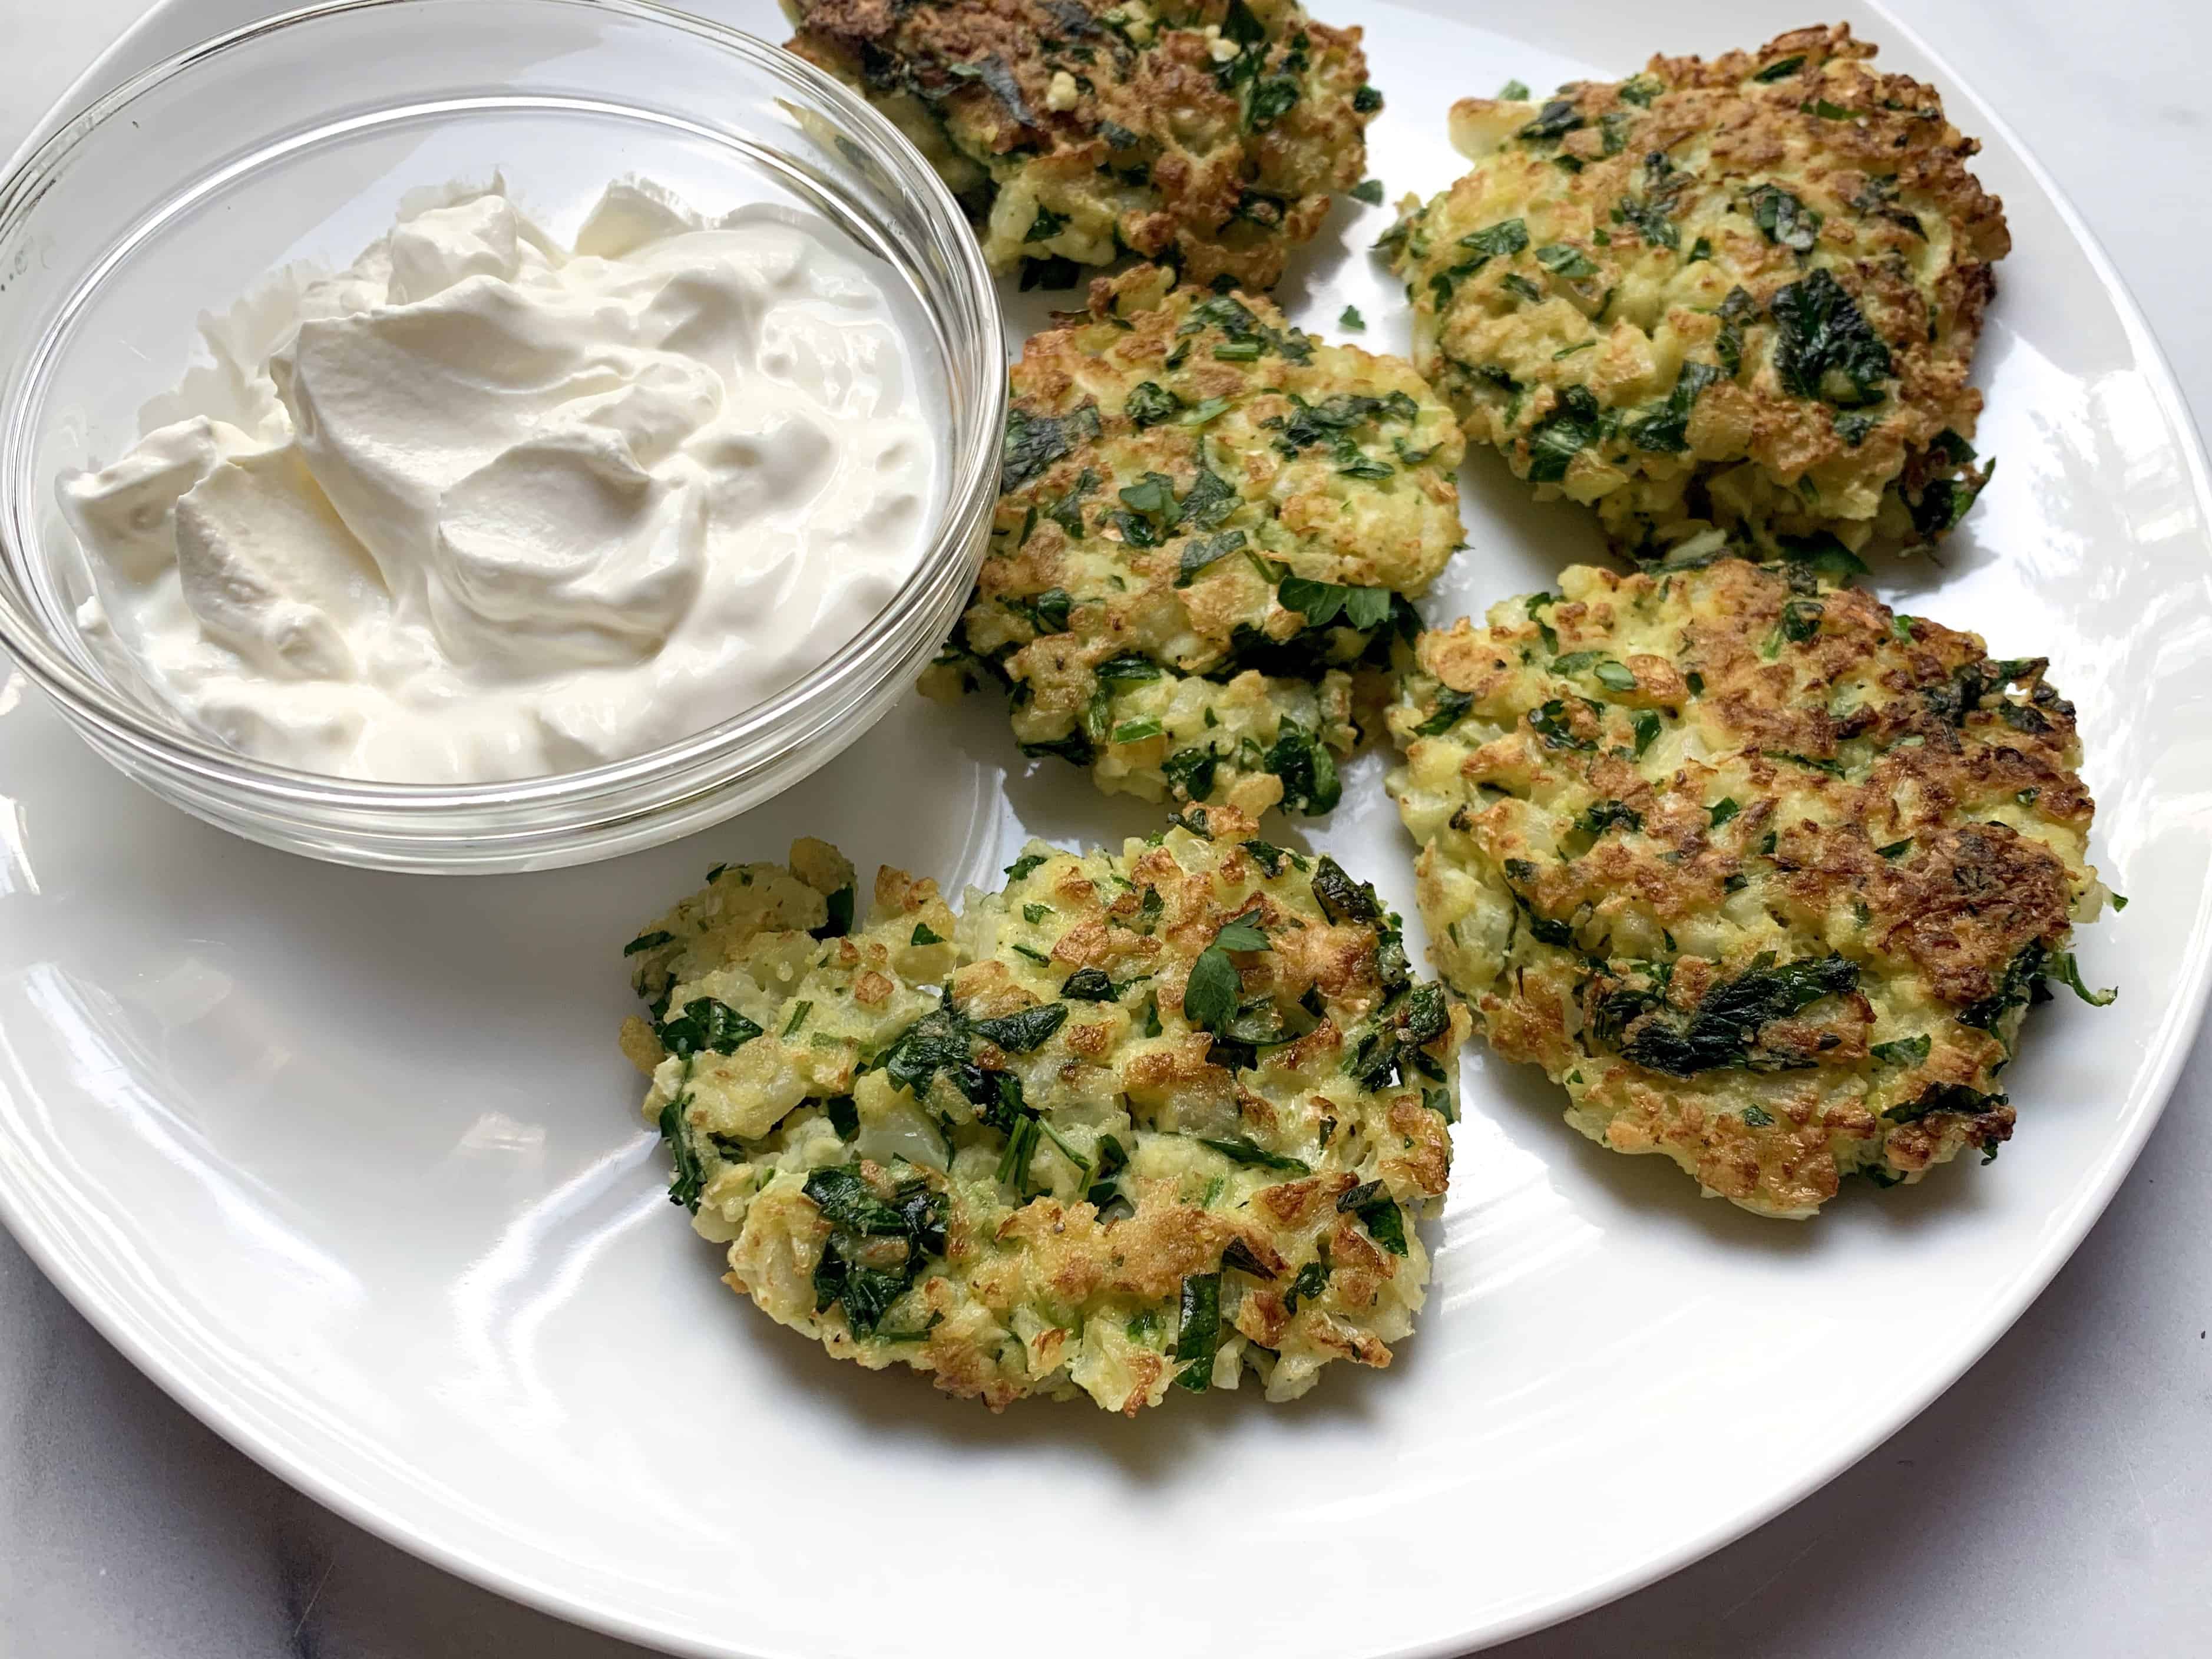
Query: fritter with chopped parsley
x=1135, y=1122
x=1209, y=134
x=1766, y=876
x=1731, y=300
x=1208, y=520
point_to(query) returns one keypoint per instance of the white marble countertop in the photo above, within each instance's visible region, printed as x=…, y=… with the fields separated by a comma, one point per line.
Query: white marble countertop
x=2052, y=1504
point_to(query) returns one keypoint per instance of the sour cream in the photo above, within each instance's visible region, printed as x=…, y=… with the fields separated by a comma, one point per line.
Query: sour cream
x=481, y=507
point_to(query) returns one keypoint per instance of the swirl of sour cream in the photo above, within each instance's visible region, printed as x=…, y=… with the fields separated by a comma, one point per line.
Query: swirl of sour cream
x=480, y=508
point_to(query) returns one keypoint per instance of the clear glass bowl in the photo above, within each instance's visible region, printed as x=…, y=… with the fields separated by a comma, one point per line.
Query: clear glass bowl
x=296, y=139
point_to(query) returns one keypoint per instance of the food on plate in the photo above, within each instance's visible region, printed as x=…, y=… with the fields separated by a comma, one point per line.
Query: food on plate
x=1136, y=1122
x=1209, y=134
x=1730, y=300
x=1766, y=876
x=481, y=507
x=1208, y=520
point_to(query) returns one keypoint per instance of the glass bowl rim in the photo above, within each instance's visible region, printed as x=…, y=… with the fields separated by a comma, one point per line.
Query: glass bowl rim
x=971, y=485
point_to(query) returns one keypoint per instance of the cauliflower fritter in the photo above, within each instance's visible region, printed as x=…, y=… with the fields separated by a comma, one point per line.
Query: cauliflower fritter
x=1208, y=520
x=1764, y=875
x=1733, y=299
x=1135, y=1122
x=1209, y=134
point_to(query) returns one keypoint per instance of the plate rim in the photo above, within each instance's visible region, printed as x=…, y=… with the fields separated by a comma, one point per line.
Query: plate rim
x=2177, y=1038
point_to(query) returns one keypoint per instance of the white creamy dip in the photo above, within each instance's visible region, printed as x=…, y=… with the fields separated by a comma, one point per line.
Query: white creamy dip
x=480, y=508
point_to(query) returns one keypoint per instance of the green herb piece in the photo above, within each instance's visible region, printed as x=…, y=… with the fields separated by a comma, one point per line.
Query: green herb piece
x=2022, y=978
x=647, y=942
x=845, y=1274
x=1306, y=769
x=1045, y=226
x=1553, y=121
x=1723, y=810
x=1666, y=431
x=923, y=935
x=1350, y=318
x=706, y=1024
x=1800, y=619
x=1378, y=1212
x=1238, y=1255
x=1046, y=611
x=1645, y=724
x=1450, y=706
x=1757, y=1117
x=2063, y=967
x=1239, y=1149
x=1209, y=995
x=1112, y=1160
x=847, y=1202
x=1543, y=628
x=1783, y=219
x=1824, y=347
x=1018, y=1033
x=1191, y=772
x=1323, y=603
x=1906, y=1051
x=1944, y=1097
x=1340, y=897
x=1369, y=191
x=691, y=1175
x=1572, y=426
x=1312, y=1280
x=1513, y=92
x=798, y=1018
x=1601, y=816
x=1199, y=551
x=844, y=1116
x=935, y=1042
x=1198, y=1335
x=1034, y=442
x=1499, y=242
x=1550, y=721
x=1149, y=403
x=1782, y=69
x=1649, y=219
x=1244, y=933
x=1723, y=1031
x=1089, y=985
x=1561, y=260
x=1153, y=494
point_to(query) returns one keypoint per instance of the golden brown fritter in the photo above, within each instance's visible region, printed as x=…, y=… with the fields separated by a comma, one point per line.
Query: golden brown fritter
x=1735, y=297
x=1209, y=134
x=1137, y=1120
x=1208, y=520
x=1764, y=875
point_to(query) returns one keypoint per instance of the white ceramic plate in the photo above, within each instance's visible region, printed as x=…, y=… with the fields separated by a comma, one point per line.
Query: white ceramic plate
x=349, y=1164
